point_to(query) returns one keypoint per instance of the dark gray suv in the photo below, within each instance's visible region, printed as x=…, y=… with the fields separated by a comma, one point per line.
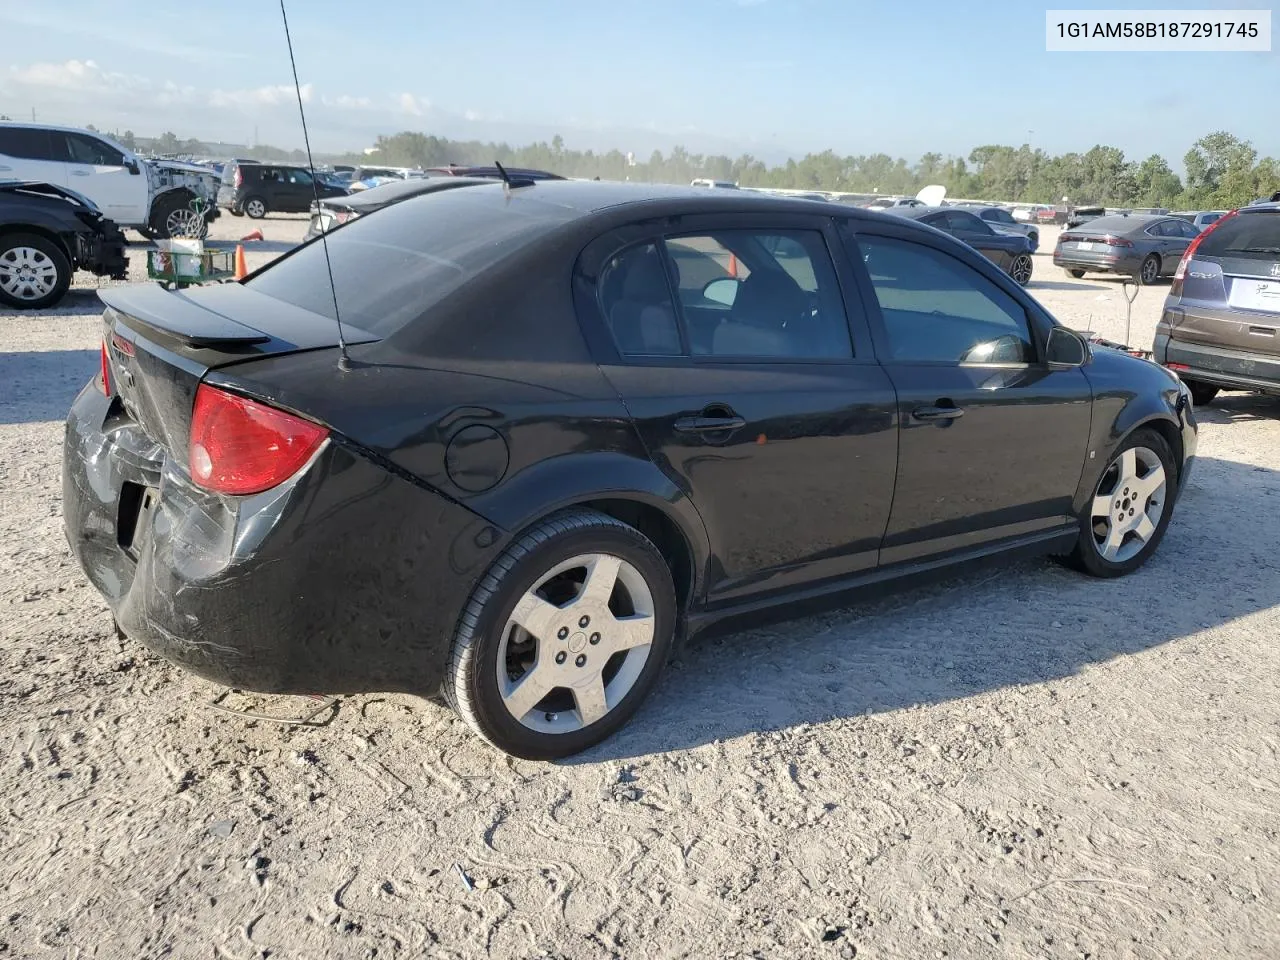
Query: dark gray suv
x=1220, y=329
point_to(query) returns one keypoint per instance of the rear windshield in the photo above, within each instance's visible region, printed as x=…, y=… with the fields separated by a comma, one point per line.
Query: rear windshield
x=1249, y=236
x=392, y=266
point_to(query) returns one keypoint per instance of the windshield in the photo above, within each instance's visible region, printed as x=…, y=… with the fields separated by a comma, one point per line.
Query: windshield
x=391, y=267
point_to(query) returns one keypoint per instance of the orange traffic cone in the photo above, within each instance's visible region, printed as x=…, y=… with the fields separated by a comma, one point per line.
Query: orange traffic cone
x=255, y=235
x=242, y=269
x=733, y=265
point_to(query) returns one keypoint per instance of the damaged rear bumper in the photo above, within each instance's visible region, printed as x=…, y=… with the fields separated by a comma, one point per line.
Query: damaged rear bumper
x=345, y=579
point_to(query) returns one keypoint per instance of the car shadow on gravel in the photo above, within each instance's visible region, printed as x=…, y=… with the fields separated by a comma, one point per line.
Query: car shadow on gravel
x=37, y=386
x=1000, y=628
x=1240, y=408
x=1035, y=285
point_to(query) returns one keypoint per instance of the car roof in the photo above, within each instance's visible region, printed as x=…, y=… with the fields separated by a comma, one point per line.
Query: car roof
x=385, y=194
x=53, y=126
x=1124, y=223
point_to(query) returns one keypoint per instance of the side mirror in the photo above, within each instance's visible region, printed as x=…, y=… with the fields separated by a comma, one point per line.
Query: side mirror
x=132, y=166
x=723, y=291
x=1065, y=349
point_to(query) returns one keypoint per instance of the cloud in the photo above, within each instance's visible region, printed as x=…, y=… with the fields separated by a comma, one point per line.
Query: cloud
x=271, y=96
x=412, y=105
x=346, y=102
x=74, y=75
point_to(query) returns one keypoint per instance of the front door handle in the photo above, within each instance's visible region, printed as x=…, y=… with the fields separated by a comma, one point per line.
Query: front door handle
x=936, y=414
x=80, y=173
x=709, y=424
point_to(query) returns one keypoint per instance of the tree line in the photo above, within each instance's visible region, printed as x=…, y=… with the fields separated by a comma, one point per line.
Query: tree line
x=1222, y=170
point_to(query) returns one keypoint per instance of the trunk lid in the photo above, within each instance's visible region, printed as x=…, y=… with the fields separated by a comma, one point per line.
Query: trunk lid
x=161, y=343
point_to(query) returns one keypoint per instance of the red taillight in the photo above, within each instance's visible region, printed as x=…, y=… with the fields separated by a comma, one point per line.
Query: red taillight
x=1177, y=366
x=238, y=180
x=1180, y=274
x=1111, y=241
x=106, y=371
x=240, y=446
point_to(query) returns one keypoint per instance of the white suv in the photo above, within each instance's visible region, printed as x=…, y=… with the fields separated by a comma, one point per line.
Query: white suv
x=158, y=198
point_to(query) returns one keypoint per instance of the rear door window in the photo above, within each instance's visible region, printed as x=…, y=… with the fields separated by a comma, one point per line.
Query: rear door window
x=760, y=294
x=937, y=309
x=1247, y=236
x=91, y=151
x=26, y=142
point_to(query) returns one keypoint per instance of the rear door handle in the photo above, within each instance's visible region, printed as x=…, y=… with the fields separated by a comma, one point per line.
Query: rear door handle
x=936, y=414
x=709, y=424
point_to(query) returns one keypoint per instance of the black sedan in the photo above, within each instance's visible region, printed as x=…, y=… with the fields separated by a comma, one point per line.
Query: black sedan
x=574, y=424
x=47, y=233
x=1010, y=252
x=1145, y=247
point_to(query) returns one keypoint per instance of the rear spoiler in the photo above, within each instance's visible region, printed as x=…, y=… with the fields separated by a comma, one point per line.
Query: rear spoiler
x=174, y=314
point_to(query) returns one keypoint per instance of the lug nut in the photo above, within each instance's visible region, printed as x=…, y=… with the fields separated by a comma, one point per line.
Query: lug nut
x=584, y=621
x=564, y=632
x=560, y=657
x=582, y=660
x=595, y=638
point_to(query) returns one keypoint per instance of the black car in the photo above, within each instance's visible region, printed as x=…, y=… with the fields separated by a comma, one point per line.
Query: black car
x=1010, y=252
x=491, y=172
x=256, y=189
x=46, y=234
x=336, y=211
x=1220, y=327
x=1001, y=220
x=577, y=422
x=1142, y=246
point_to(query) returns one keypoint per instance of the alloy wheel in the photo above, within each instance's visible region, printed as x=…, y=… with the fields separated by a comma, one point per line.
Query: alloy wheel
x=255, y=209
x=183, y=222
x=1021, y=269
x=1128, y=504
x=575, y=643
x=27, y=273
x=1150, y=267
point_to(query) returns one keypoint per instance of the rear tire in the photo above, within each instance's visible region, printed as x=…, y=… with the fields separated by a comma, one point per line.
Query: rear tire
x=1149, y=272
x=1077, y=274
x=255, y=208
x=536, y=616
x=1202, y=393
x=1140, y=480
x=34, y=271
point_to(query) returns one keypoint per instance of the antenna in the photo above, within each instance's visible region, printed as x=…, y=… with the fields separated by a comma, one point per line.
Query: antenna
x=506, y=180
x=344, y=360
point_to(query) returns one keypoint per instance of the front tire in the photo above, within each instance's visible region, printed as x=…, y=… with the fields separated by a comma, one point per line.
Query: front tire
x=174, y=216
x=1125, y=519
x=564, y=636
x=34, y=271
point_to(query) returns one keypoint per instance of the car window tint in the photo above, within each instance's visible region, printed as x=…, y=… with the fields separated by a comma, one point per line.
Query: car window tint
x=1001, y=216
x=1190, y=230
x=635, y=298
x=967, y=222
x=1246, y=236
x=938, y=309
x=300, y=177
x=393, y=269
x=27, y=143
x=760, y=294
x=90, y=150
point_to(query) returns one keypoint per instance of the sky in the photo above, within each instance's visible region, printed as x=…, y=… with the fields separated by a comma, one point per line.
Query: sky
x=773, y=78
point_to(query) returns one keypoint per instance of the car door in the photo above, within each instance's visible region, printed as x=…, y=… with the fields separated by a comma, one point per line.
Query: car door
x=730, y=342
x=27, y=153
x=965, y=226
x=992, y=440
x=98, y=170
x=297, y=190
x=1184, y=234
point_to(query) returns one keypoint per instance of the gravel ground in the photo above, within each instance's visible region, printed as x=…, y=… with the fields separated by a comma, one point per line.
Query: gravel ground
x=1018, y=763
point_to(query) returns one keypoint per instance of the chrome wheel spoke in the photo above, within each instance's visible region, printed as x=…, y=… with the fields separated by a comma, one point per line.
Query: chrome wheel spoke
x=590, y=698
x=531, y=688
x=536, y=616
x=1115, y=539
x=1144, y=528
x=602, y=577
x=1102, y=506
x=1128, y=466
x=627, y=633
